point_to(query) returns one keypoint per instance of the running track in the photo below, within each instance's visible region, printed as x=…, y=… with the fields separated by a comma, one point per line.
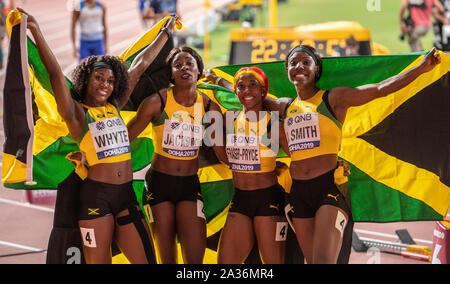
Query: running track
x=25, y=228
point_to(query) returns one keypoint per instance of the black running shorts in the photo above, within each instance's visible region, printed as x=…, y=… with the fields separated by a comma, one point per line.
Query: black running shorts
x=259, y=202
x=307, y=196
x=98, y=199
x=163, y=187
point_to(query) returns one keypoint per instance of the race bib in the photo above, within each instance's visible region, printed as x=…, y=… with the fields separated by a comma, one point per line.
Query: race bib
x=182, y=139
x=302, y=131
x=243, y=152
x=110, y=137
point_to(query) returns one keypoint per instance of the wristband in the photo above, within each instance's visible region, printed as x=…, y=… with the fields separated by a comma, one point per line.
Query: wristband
x=166, y=30
x=218, y=80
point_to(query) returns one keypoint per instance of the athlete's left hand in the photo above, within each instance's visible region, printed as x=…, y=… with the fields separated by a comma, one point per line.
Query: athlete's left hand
x=430, y=60
x=346, y=167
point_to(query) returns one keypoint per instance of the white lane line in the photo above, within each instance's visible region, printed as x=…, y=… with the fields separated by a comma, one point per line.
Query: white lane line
x=19, y=246
x=389, y=235
x=26, y=205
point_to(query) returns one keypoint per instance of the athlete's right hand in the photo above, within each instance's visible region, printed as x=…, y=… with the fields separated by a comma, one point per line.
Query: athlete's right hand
x=31, y=21
x=171, y=23
x=430, y=60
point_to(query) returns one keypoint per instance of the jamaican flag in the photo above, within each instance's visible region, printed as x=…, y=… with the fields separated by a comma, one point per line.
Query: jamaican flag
x=17, y=111
x=398, y=146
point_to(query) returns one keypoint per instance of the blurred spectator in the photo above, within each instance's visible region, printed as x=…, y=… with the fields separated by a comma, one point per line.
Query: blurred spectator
x=142, y=4
x=418, y=23
x=91, y=15
x=155, y=10
x=441, y=26
x=351, y=46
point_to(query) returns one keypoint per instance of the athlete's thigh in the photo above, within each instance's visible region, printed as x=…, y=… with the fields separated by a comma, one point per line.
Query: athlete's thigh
x=237, y=239
x=164, y=230
x=163, y=217
x=330, y=222
x=271, y=236
x=304, y=231
x=97, y=235
x=190, y=223
x=191, y=230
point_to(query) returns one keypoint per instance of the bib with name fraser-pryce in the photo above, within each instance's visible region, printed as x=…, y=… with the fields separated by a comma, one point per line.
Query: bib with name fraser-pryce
x=302, y=131
x=182, y=139
x=110, y=137
x=243, y=152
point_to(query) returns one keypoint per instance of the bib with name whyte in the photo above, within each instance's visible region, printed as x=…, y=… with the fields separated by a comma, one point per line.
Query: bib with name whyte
x=105, y=136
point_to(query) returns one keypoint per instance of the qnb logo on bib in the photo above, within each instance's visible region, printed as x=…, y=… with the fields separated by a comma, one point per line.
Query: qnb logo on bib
x=110, y=137
x=302, y=131
x=182, y=139
x=243, y=152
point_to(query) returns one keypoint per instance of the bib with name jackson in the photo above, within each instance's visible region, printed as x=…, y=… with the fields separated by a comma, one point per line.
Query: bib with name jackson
x=105, y=138
x=178, y=132
x=248, y=147
x=311, y=128
x=181, y=138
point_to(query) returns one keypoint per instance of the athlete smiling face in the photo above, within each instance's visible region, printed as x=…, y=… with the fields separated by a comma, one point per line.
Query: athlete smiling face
x=251, y=87
x=250, y=92
x=100, y=87
x=301, y=69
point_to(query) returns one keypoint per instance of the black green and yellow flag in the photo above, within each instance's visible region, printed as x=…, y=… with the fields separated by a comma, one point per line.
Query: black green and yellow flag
x=17, y=163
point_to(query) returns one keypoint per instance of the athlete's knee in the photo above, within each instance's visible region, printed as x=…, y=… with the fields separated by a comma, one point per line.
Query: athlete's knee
x=137, y=218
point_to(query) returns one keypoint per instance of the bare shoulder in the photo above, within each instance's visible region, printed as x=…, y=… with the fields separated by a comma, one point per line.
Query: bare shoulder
x=338, y=94
x=207, y=101
x=274, y=104
x=153, y=103
x=340, y=90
